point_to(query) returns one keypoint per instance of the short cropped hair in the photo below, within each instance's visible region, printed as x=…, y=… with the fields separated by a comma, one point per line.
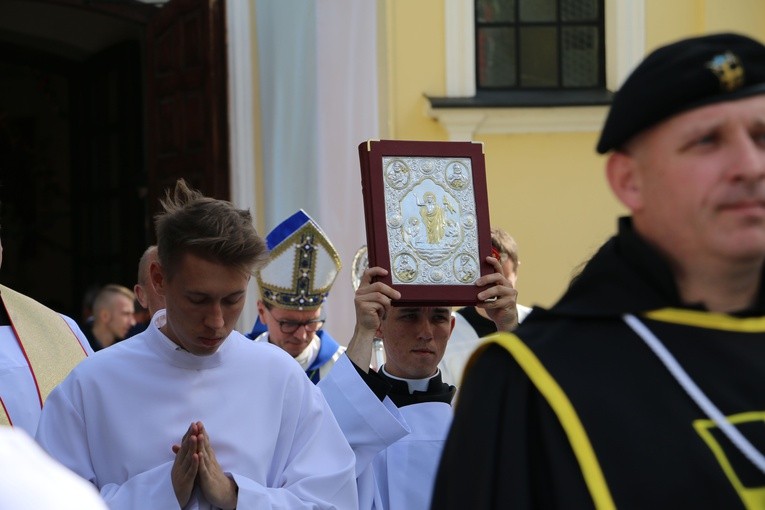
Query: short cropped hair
x=209, y=228
x=105, y=296
x=505, y=245
x=143, y=265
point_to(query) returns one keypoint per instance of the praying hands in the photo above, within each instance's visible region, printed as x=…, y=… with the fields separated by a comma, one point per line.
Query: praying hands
x=195, y=464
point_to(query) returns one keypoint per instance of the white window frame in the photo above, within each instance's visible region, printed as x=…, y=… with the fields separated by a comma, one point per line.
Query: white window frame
x=625, y=46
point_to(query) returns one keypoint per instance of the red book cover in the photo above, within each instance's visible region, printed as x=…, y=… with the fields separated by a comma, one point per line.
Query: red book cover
x=427, y=218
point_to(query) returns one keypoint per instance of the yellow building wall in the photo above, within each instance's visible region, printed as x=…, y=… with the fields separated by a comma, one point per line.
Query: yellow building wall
x=548, y=190
x=667, y=21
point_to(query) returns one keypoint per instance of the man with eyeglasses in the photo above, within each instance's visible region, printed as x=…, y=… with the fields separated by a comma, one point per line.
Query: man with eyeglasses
x=293, y=285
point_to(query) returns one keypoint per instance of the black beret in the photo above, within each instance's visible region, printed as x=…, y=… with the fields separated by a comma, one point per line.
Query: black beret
x=682, y=76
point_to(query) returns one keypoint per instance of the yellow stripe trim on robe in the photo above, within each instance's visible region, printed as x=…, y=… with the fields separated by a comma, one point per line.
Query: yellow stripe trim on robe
x=561, y=405
x=708, y=320
x=4, y=419
x=50, y=345
x=752, y=497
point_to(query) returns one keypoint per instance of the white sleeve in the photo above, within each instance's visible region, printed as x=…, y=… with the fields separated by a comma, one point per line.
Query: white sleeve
x=79, y=334
x=318, y=470
x=62, y=433
x=311, y=466
x=24, y=465
x=369, y=425
x=462, y=342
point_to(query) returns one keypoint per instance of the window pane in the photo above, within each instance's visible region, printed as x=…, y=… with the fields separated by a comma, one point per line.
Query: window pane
x=537, y=10
x=579, y=10
x=580, y=57
x=496, y=57
x=539, y=57
x=494, y=10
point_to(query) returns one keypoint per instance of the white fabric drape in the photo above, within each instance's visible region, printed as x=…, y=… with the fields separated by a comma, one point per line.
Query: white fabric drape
x=318, y=85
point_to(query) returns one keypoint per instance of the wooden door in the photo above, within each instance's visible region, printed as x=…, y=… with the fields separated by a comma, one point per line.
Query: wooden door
x=187, y=104
x=107, y=168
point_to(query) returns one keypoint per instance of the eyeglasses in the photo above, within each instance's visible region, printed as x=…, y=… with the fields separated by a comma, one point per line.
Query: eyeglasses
x=289, y=327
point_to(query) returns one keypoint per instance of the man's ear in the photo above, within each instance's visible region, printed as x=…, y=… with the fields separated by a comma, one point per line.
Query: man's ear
x=105, y=314
x=261, y=311
x=140, y=295
x=157, y=278
x=624, y=177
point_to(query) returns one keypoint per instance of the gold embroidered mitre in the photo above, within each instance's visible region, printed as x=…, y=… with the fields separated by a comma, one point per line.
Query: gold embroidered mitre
x=302, y=265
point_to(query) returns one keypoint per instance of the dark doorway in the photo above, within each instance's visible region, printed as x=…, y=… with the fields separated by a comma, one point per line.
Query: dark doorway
x=83, y=152
x=109, y=176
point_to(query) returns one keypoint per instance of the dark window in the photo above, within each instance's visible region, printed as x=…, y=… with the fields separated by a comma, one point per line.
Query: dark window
x=540, y=45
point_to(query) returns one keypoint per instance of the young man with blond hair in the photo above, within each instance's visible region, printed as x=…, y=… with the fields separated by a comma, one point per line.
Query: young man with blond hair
x=113, y=316
x=190, y=413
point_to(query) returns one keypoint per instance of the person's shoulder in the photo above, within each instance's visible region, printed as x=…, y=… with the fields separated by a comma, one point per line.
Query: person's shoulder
x=549, y=335
x=327, y=341
x=259, y=351
x=523, y=312
x=26, y=464
x=263, y=337
x=72, y=323
x=463, y=333
x=248, y=346
x=264, y=359
x=539, y=317
x=82, y=337
x=113, y=357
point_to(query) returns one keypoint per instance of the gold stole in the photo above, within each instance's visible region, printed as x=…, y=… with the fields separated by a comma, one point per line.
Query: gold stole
x=49, y=344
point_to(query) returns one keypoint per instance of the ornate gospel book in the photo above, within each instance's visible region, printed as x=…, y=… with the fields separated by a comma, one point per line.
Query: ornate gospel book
x=427, y=218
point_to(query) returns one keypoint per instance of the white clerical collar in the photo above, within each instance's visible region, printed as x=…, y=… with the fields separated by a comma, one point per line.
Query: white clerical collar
x=305, y=358
x=159, y=318
x=177, y=355
x=309, y=354
x=414, y=384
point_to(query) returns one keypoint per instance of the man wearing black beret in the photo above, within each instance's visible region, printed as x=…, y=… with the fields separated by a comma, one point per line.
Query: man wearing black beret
x=644, y=386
